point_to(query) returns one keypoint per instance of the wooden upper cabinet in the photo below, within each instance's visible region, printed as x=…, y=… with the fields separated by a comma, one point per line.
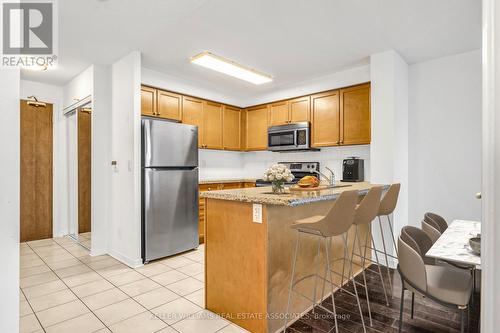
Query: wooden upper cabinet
x=232, y=128
x=192, y=113
x=325, y=114
x=355, y=114
x=278, y=113
x=148, y=101
x=212, y=125
x=300, y=109
x=169, y=105
x=256, y=128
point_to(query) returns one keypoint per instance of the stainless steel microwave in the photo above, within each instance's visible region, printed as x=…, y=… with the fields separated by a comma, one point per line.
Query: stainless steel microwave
x=289, y=137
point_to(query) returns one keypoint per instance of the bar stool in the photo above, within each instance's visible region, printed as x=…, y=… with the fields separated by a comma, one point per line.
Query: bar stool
x=336, y=223
x=387, y=206
x=365, y=213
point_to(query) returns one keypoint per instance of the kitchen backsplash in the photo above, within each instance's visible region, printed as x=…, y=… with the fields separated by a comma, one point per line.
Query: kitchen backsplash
x=216, y=164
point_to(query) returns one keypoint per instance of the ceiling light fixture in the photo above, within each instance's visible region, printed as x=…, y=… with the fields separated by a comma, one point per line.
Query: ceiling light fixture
x=222, y=65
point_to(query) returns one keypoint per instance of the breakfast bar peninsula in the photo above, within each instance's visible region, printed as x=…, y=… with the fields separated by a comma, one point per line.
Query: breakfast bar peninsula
x=248, y=252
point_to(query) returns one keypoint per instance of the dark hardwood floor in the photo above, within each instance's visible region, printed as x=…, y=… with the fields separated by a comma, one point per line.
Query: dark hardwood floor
x=428, y=315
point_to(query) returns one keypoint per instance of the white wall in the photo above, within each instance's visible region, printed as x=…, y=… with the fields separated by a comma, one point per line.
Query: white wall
x=331, y=81
x=54, y=95
x=101, y=161
x=327, y=82
x=78, y=88
x=9, y=199
x=389, y=128
x=255, y=163
x=179, y=85
x=445, y=137
x=220, y=164
x=125, y=215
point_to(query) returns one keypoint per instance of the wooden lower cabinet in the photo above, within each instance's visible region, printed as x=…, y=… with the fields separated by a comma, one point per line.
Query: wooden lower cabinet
x=214, y=187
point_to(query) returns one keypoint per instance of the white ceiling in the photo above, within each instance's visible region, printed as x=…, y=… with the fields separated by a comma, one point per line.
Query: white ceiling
x=293, y=40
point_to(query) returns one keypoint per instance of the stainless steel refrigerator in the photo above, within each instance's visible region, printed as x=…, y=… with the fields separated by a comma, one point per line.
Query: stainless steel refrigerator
x=169, y=188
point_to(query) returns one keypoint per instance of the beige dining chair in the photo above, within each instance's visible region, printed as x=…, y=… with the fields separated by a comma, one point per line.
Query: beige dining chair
x=431, y=231
x=447, y=286
x=436, y=221
x=420, y=242
x=336, y=222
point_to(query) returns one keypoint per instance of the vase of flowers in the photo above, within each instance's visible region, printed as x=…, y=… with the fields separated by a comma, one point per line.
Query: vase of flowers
x=278, y=174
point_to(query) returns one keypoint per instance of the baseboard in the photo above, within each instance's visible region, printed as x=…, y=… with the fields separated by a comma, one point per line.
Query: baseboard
x=132, y=263
x=99, y=252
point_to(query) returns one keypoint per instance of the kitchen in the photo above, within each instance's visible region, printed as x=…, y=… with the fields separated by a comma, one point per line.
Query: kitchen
x=170, y=173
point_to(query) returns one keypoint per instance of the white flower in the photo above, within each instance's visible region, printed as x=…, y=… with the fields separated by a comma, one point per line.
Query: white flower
x=278, y=172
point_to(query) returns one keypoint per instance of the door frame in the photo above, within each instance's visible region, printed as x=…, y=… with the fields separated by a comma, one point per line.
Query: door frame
x=490, y=247
x=68, y=114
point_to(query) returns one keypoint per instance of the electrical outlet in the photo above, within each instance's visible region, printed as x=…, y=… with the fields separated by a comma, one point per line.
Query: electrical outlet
x=257, y=213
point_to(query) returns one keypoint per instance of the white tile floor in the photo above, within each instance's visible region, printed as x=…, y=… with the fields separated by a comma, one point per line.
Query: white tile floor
x=64, y=289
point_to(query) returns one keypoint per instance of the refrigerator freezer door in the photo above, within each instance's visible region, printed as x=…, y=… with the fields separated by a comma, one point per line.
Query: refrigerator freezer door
x=168, y=144
x=170, y=208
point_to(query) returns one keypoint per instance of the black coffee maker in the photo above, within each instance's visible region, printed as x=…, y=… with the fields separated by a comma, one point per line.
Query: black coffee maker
x=353, y=170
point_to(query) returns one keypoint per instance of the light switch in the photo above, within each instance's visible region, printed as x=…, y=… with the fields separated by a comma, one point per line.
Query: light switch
x=257, y=213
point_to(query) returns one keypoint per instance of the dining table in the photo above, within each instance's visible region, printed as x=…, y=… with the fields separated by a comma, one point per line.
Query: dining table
x=453, y=244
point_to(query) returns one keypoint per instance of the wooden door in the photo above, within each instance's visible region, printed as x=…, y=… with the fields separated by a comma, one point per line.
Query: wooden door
x=256, y=129
x=84, y=168
x=212, y=125
x=355, y=115
x=325, y=114
x=278, y=113
x=192, y=113
x=300, y=109
x=232, y=128
x=36, y=172
x=148, y=101
x=169, y=105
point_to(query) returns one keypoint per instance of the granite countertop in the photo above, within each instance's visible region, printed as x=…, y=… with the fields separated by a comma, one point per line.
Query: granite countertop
x=264, y=195
x=227, y=180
